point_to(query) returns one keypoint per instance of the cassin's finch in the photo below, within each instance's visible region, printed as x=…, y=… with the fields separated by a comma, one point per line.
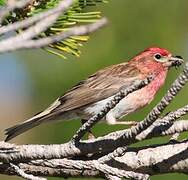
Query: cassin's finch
x=89, y=96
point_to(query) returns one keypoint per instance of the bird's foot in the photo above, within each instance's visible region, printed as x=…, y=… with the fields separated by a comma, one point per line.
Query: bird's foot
x=113, y=121
x=174, y=138
x=129, y=123
x=90, y=135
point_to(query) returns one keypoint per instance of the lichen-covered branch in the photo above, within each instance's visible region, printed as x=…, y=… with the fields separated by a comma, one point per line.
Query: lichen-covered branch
x=60, y=8
x=24, y=41
x=135, y=163
x=11, y=5
x=13, y=153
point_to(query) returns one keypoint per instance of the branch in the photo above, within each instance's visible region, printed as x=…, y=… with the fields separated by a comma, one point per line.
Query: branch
x=152, y=160
x=20, y=172
x=167, y=122
x=22, y=41
x=17, y=153
x=60, y=8
x=30, y=29
x=12, y=5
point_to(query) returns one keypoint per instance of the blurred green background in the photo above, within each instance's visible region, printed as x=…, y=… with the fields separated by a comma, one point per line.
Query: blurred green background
x=31, y=80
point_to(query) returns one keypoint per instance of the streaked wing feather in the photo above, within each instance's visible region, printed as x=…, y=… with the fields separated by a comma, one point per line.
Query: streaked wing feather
x=99, y=86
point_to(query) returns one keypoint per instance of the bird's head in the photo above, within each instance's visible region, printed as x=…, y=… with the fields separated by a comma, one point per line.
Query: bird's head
x=156, y=58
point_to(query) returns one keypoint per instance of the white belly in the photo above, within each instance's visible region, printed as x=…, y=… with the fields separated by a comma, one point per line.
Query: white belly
x=127, y=105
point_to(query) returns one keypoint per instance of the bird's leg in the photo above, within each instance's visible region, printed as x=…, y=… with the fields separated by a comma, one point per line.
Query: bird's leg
x=129, y=123
x=111, y=120
x=90, y=134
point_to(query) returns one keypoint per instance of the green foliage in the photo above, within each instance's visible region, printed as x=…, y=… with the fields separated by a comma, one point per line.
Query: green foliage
x=2, y=2
x=74, y=16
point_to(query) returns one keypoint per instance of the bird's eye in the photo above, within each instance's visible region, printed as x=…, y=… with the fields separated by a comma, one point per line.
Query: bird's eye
x=158, y=56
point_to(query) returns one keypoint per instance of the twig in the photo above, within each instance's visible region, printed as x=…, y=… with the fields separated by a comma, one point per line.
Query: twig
x=110, y=177
x=33, y=31
x=86, y=166
x=10, y=45
x=21, y=173
x=169, y=119
x=116, y=153
x=62, y=6
x=166, y=129
x=11, y=5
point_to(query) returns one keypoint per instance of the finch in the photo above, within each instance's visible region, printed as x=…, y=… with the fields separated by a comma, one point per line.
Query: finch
x=89, y=97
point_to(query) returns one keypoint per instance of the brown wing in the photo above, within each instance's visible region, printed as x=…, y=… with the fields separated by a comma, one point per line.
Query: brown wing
x=99, y=86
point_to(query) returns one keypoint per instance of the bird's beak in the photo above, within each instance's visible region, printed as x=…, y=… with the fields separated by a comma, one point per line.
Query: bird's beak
x=175, y=61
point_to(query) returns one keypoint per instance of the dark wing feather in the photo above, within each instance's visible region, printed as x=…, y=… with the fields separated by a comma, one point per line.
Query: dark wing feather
x=99, y=86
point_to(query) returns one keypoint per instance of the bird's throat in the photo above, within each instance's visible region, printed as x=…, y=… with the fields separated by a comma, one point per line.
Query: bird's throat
x=157, y=83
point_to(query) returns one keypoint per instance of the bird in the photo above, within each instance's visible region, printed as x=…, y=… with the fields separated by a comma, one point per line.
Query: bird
x=88, y=97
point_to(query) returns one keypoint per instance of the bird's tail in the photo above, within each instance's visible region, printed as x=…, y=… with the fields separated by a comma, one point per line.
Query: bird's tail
x=48, y=114
x=39, y=118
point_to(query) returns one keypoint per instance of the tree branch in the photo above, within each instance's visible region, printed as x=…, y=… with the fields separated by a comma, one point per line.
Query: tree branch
x=30, y=29
x=23, y=41
x=152, y=160
x=12, y=5
x=59, y=9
